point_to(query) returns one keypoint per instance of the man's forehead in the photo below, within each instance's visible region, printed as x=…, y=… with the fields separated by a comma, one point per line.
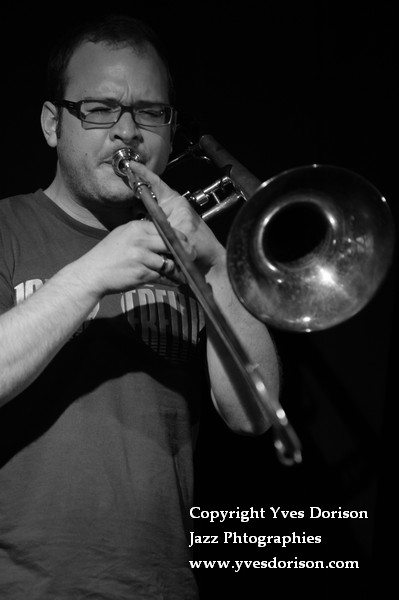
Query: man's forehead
x=95, y=61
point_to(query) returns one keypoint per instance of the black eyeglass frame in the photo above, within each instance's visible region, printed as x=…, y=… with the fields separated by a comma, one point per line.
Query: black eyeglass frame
x=75, y=108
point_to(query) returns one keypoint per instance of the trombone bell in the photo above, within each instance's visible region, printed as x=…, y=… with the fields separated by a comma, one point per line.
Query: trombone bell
x=346, y=245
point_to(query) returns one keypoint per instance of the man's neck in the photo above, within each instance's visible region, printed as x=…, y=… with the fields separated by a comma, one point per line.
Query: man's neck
x=97, y=216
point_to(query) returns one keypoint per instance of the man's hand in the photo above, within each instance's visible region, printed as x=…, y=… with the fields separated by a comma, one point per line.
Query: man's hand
x=184, y=219
x=129, y=256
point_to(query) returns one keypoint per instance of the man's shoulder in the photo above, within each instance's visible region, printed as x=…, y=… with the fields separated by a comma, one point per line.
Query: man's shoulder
x=22, y=208
x=20, y=201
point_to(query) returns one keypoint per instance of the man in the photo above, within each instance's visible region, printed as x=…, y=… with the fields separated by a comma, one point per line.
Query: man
x=101, y=343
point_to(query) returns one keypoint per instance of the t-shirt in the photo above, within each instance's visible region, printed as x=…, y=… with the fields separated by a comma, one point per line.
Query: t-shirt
x=96, y=474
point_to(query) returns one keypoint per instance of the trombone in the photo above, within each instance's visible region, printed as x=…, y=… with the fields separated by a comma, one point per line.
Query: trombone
x=324, y=284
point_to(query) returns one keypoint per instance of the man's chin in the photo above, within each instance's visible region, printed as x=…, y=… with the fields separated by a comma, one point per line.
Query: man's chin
x=121, y=200
x=116, y=190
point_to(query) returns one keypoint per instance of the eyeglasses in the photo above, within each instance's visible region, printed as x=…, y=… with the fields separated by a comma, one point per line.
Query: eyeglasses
x=108, y=112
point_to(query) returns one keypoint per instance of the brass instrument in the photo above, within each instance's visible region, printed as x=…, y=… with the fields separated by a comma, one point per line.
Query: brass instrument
x=319, y=287
x=235, y=183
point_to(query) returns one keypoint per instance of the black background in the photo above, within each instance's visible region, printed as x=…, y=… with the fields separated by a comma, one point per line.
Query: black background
x=279, y=86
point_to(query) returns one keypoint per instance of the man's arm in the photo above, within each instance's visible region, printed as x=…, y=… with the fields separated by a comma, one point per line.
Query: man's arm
x=34, y=331
x=253, y=335
x=255, y=341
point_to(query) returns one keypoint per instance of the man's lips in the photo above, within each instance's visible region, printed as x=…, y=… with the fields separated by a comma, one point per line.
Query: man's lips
x=142, y=157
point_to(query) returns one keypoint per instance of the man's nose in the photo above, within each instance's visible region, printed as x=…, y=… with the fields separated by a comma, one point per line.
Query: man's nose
x=126, y=129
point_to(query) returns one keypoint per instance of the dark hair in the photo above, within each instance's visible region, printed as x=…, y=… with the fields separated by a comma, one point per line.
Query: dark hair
x=117, y=30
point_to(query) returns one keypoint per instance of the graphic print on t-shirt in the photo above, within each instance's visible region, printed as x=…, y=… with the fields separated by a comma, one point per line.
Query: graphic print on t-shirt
x=166, y=318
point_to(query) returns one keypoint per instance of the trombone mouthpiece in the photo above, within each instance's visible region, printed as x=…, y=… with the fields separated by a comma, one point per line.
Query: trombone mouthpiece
x=121, y=159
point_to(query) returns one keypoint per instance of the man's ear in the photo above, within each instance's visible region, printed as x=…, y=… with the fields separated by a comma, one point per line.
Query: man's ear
x=49, y=120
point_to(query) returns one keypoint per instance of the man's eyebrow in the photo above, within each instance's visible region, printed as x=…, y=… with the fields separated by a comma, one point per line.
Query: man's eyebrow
x=145, y=103
x=99, y=98
x=138, y=104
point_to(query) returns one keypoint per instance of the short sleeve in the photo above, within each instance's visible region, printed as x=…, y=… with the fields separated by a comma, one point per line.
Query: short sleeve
x=6, y=289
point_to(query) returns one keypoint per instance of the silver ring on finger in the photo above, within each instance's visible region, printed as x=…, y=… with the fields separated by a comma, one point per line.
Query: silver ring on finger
x=166, y=267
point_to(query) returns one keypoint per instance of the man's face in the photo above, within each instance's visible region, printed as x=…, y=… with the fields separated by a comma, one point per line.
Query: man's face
x=99, y=71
